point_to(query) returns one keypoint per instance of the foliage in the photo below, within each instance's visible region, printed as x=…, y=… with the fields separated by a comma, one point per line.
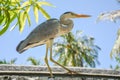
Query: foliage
x=76, y=50
x=116, y=47
x=18, y=10
x=34, y=61
x=112, y=16
x=117, y=58
x=12, y=61
x=117, y=67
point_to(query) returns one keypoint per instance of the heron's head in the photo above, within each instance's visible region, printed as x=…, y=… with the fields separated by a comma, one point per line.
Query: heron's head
x=74, y=15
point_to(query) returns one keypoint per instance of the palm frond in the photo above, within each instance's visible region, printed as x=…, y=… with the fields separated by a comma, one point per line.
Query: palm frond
x=76, y=50
x=33, y=61
x=112, y=16
x=4, y=61
x=116, y=47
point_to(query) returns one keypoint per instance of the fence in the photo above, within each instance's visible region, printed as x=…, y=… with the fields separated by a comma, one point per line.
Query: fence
x=15, y=72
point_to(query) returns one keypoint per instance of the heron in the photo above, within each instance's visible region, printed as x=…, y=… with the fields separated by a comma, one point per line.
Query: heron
x=45, y=34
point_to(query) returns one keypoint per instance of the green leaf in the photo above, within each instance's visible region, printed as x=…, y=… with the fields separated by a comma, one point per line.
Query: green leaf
x=24, y=17
x=45, y=3
x=21, y=23
x=25, y=4
x=7, y=23
x=45, y=14
x=2, y=19
x=24, y=20
x=27, y=9
x=27, y=14
x=33, y=61
x=28, y=18
x=5, y=27
x=35, y=13
x=13, y=17
x=18, y=18
x=14, y=2
x=21, y=20
x=13, y=61
x=30, y=1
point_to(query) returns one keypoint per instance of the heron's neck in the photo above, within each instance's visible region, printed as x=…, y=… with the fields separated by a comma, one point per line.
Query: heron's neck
x=66, y=25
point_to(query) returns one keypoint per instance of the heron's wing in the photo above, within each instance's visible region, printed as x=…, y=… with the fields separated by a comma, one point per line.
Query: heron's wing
x=41, y=34
x=44, y=31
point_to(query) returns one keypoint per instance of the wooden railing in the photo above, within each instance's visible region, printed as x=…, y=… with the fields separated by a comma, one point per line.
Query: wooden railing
x=16, y=72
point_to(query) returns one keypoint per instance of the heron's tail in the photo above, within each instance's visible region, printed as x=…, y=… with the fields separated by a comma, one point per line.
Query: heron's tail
x=21, y=47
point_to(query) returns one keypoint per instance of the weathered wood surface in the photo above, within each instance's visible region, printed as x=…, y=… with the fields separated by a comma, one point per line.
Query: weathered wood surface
x=14, y=72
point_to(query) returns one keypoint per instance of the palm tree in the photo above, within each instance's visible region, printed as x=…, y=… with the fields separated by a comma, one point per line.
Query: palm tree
x=113, y=16
x=34, y=61
x=116, y=47
x=76, y=50
x=12, y=61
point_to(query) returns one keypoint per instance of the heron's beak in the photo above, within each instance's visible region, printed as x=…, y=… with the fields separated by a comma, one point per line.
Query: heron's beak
x=82, y=16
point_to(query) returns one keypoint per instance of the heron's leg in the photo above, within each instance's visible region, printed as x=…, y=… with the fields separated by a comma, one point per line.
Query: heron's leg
x=51, y=41
x=46, y=60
